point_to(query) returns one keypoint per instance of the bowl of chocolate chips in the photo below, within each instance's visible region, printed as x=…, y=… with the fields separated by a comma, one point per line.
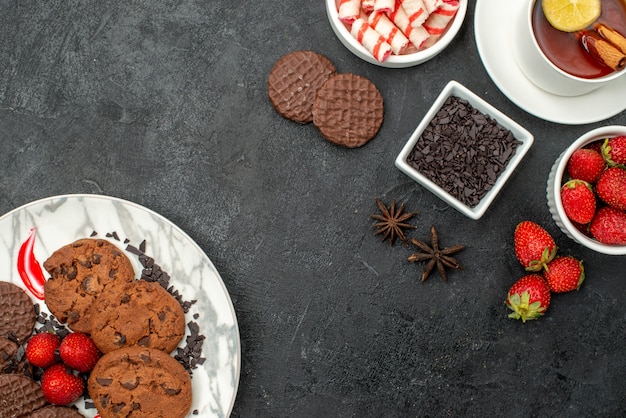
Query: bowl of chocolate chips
x=464, y=150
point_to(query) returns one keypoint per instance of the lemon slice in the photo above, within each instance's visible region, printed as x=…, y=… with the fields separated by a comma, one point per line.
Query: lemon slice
x=571, y=15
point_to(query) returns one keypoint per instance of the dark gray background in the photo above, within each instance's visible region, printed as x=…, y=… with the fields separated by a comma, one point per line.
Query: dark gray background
x=164, y=103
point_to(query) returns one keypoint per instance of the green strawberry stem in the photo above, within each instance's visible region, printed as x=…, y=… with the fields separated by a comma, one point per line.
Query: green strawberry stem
x=523, y=309
x=547, y=256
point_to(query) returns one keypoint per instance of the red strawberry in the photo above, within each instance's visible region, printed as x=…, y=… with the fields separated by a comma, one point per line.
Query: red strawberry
x=579, y=201
x=586, y=164
x=41, y=349
x=60, y=386
x=611, y=187
x=534, y=246
x=609, y=226
x=564, y=274
x=79, y=352
x=596, y=146
x=528, y=298
x=614, y=151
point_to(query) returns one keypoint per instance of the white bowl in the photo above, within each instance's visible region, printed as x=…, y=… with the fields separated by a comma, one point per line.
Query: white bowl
x=453, y=88
x=394, y=61
x=553, y=191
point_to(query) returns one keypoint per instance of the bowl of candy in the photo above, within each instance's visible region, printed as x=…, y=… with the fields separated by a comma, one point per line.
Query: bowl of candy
x=464, y=150
x=396, y=34
x=586, y=190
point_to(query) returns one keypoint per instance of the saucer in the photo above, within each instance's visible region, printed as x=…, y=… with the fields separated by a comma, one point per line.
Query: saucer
x=492, y=29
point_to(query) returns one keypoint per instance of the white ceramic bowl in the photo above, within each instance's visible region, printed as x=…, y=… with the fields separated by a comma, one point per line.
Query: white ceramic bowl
x=554, y=191
x=454, y=88
x=394, y=61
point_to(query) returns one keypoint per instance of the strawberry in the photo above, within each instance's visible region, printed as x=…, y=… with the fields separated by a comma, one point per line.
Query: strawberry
x=579, y=201
x=611, y=187
x=614, y=151
x=41, y=349
x=586, y=164
x=79, y=352
x=609, y=226
x=596, y=146
x=60, y=386
x=534, y=246
x=564, y=274
x=528, y=298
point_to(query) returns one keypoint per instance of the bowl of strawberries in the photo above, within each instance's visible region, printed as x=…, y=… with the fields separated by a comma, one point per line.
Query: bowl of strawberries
x=586, y=190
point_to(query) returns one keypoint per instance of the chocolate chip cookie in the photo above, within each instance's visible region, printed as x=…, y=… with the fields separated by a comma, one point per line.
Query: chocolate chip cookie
x=140, y=382
x=139, y=313
x=17, y=313
x=79, y=272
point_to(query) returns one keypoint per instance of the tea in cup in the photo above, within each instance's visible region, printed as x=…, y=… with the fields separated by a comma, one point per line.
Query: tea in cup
x=571, y=63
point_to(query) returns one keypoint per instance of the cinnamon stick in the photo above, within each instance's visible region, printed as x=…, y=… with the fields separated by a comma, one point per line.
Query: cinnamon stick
x=612, y=36
x=602, y=50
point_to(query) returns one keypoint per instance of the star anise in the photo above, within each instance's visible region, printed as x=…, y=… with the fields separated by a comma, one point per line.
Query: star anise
x=436, y=257
x=392, y=222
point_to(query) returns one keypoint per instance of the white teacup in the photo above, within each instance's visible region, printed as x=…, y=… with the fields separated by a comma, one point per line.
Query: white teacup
x=540, y=70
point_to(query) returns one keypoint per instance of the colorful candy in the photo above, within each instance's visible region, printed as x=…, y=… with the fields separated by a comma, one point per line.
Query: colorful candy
x=384, y=27
x=373, y=41
x=393, y=35
x=349, y=10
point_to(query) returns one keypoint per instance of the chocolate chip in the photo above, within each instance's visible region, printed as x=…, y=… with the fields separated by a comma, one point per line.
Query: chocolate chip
x=131, y=384
x=121, y=339
x=118, y=407
x=170, y=391
x=84, y=262
x=104, y=381
x=144, y=341
x=113, y=235
x=86, y=283
x=69, y=271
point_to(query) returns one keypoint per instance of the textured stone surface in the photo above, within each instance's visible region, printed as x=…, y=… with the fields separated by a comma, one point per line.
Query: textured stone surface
x=165, y=104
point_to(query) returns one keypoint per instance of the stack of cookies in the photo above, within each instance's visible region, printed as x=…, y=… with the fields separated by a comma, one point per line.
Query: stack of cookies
x=304, y=86
x=134, y=323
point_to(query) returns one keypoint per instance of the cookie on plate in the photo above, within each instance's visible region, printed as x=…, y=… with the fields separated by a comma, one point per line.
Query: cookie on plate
x=138, y=313
x=79, y=272
x=145, y=381
x=348, y=110
x=17, y=312
x=56, y=411
x=19, y=395
x=293, y=83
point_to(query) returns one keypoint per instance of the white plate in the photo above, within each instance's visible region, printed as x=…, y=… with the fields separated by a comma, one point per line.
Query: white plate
x=60, y=220
x=493, y=21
